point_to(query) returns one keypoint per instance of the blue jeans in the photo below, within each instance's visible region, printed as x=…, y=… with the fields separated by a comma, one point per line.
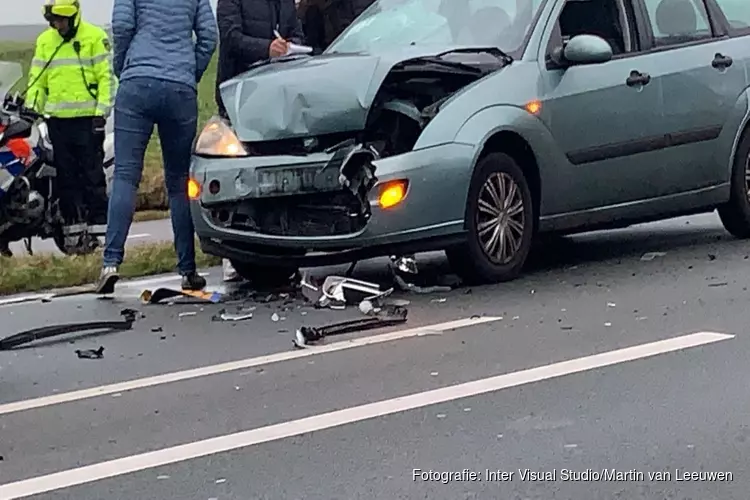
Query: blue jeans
x=140, y=104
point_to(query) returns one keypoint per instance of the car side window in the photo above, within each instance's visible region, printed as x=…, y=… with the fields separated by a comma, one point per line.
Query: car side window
x=737, y=13
x=611, y=20
x=676, y=22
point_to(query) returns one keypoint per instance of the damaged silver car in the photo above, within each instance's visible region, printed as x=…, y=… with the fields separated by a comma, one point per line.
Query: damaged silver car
x=470, y=126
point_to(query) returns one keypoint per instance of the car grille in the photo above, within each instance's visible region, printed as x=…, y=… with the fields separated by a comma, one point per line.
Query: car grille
x=306, y=215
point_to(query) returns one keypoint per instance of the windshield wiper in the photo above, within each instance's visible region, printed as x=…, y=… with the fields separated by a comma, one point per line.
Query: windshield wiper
x=480, y=50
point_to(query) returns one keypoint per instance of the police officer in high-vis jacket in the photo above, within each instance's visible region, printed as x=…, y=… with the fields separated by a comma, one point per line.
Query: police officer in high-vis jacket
x=71, y=81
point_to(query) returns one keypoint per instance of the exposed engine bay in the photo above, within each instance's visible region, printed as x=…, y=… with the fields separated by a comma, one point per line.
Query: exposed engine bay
x=333, y=198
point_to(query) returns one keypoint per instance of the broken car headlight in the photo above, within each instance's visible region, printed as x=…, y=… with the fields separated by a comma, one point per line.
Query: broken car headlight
x=218, y=139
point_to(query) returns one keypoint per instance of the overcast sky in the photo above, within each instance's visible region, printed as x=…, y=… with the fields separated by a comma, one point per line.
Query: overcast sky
x=30, y=12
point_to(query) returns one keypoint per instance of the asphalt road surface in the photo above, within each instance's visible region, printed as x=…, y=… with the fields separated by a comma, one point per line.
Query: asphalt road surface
x=140, y=232
x=606, y=372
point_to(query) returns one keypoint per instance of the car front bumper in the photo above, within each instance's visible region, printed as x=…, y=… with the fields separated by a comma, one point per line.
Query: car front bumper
x=431, y=216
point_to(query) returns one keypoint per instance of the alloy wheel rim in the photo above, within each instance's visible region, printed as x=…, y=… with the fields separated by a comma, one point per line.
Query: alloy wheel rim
x=500, y=218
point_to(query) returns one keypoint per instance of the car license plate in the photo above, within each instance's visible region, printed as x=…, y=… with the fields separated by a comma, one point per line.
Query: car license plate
x=282, y=181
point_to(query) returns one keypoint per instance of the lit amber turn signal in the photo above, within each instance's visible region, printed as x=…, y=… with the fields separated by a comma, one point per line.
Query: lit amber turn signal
x=193, y=189
x=393, y=193
x=534, y=107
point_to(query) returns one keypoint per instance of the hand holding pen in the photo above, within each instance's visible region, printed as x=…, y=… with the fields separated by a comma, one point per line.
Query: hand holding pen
x=279, y=46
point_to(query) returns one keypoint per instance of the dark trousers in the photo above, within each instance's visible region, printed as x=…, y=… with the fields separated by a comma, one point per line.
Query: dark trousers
x=81, y=185
x=141, y=104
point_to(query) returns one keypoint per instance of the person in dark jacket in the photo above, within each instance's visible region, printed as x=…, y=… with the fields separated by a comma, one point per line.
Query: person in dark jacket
x=247, y=34
x=324, y=20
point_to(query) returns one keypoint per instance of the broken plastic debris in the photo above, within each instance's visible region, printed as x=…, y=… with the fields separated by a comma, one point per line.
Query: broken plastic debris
x=439, y=301
x=652, y=255
x=608, y=324
x=306, y=335
x=161, y=294
x=128, y=315
x=275, y=317
x=404, y=286
x=611, y=304
x=187, y=314
x=90, y=353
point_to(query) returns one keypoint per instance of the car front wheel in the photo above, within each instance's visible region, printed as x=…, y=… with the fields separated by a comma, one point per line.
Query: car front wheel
x=500, y=223
x=735, y=214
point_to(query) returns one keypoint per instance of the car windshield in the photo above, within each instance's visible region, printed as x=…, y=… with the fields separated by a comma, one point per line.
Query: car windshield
x=10, y=74
x=389, y=24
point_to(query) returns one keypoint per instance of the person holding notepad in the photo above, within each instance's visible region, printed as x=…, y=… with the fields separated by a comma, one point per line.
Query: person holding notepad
x=251, y=31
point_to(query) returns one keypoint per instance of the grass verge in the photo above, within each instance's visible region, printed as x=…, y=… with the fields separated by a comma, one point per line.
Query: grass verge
x=149, y=215
x=152, y=193
x=46, y=271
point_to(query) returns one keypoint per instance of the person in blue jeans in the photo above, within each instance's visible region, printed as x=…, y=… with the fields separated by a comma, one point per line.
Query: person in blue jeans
x=159, y=66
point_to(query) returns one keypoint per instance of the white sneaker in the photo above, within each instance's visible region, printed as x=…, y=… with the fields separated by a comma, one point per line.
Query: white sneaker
x=230, y=273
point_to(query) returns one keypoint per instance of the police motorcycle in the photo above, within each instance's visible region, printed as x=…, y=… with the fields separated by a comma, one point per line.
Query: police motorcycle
x=29, y=204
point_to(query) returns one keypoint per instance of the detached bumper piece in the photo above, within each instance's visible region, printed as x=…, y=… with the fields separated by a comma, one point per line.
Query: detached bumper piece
x=393, y=315
x=45, y=332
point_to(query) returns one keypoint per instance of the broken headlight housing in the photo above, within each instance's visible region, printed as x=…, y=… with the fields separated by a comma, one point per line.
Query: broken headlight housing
x=218, y=139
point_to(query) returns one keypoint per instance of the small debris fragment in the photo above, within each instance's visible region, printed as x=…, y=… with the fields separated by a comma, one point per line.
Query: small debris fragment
x=275, y=317
x=611, y=304
x=118, y=395
x=607, y=324
x=439, y=301
x=223, y=315
x=716, y=285
x=157, y=329
x=566, y=328
x=440, y=415
x=90, y=353
x=467, y=410
x=570, y=446
x=652, y=255
x=434, y=374
x=187, y=314
x=163, y=476
x=711, y=256
x=222, y=480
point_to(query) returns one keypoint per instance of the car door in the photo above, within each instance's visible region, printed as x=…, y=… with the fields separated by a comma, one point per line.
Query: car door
x=606, y=117
x=702, y=76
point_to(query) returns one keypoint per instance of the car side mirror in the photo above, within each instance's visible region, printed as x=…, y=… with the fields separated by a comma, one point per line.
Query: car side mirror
x=582, y=50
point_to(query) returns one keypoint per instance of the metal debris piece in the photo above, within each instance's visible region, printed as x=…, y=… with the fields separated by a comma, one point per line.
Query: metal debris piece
x=411, y=287
x=652, y=255
x=393, y=316
x=128, y=315
x=90, y=353
x=240, y=315
x=405, y=264
x=338, y=292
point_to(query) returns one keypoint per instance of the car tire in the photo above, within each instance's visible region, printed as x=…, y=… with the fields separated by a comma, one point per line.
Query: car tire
x=264, y=276
x=735, y=214
x=499, y=187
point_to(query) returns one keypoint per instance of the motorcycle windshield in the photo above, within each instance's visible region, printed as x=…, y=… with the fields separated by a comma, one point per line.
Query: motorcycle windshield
x=10, y=74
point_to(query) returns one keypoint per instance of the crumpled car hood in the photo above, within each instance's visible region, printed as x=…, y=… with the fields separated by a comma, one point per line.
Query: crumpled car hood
x=326, y=94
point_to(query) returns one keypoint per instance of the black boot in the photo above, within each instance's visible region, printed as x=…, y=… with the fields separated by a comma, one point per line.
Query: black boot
x=193, y=282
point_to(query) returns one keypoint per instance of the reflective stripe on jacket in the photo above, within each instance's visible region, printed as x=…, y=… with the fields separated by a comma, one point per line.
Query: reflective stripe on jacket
x=73, y=84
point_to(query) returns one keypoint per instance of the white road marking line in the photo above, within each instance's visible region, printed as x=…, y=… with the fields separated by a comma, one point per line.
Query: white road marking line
x=21, y=299
x=244, y=364
x=221, y=444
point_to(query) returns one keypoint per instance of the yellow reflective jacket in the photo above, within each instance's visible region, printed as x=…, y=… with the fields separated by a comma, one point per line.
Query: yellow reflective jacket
x=69, y=84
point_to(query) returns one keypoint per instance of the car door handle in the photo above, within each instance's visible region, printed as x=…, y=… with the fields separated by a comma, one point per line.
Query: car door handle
x=637, y=78
x=721, y=61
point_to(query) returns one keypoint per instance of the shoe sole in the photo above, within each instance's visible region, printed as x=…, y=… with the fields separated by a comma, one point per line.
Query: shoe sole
x=107, y=286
